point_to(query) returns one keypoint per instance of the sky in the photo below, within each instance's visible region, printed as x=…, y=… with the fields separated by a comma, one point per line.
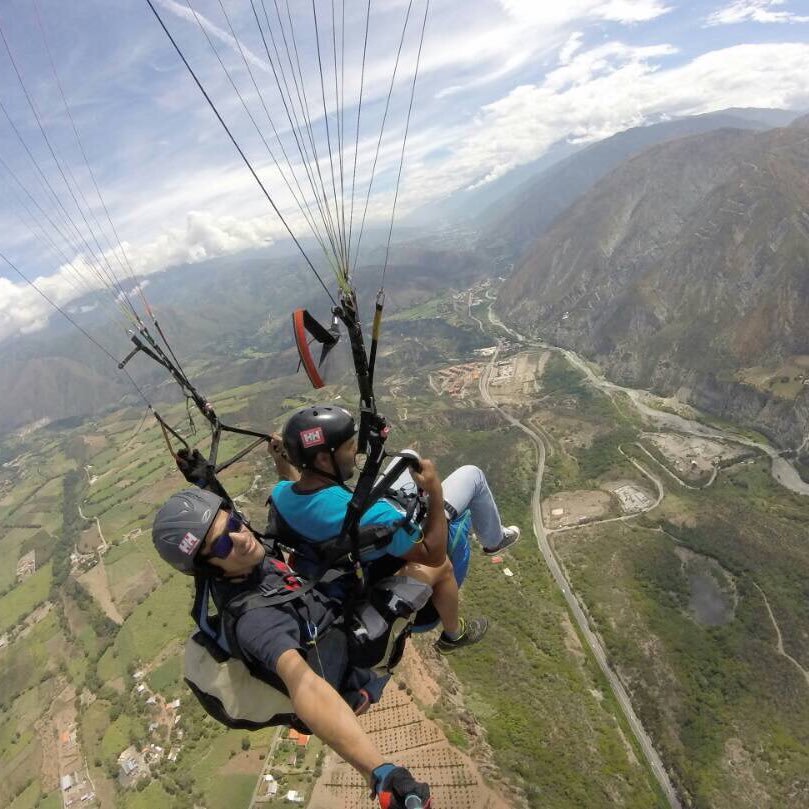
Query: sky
x=152, y=180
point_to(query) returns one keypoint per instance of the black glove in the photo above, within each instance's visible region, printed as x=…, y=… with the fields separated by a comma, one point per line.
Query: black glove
x=397, y=789
x=194, y=466
x=195, y=469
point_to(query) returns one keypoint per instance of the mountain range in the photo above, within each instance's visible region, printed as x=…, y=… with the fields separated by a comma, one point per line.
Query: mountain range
x=516, y=219
x=683, y=267
x=606, y=241
x=227, y=319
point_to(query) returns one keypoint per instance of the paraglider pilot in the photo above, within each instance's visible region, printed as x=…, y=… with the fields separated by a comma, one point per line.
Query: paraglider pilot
x=198, y=534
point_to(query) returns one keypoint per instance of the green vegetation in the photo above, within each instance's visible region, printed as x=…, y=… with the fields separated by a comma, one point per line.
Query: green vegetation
x=150, y=796
x=533, y=697
x=230, y=790
x=31, y=660
x=697, y=687
x=53, y=800
x=167, y=676
x=72, y=525
x=584, y=465
x=603, y=454
x=162, y=617
x=560, y=376
x=28, y=798
x=24, y=598
x=42, y=543
x=438, y=307
x=122, y=732
x=548, y=714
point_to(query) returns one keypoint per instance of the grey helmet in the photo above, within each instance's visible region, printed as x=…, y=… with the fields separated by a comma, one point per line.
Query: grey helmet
x=181, y=524
x=314, y=429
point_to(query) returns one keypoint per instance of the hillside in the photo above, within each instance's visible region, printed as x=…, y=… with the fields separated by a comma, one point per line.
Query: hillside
x=211, y=312
x=518, y=218
x=686, y=267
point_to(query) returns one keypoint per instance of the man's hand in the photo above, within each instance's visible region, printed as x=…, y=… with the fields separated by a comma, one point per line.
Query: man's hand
x=428, y=480
x=397, y=789
x=194, y=466
x=276, y=448
x=283, y=466
x=196, y=469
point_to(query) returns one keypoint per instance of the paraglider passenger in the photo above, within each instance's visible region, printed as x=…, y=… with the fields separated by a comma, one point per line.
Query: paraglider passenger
x=316, y=455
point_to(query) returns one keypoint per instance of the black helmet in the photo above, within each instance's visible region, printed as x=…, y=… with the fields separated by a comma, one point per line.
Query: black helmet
x=181, y=524
x=319, y=428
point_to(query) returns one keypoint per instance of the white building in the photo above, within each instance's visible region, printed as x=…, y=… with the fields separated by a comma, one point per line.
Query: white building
x=270, y=786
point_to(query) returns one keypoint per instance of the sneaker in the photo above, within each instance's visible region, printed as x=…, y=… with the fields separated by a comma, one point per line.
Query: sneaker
x=471, y=632
x=511, y=536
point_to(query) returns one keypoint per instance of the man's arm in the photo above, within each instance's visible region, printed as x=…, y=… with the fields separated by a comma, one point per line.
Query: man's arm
x=432, y=550
x=327, y=714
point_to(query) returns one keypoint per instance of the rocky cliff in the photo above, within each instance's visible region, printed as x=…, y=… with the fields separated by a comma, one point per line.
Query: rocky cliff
x=681, y=268
x=518, y=218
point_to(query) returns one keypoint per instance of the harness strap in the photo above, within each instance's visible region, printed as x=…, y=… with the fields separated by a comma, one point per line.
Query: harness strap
x=333, y=551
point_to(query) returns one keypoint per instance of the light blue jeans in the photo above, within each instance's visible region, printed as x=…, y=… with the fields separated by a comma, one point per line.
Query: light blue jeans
x=467, y=488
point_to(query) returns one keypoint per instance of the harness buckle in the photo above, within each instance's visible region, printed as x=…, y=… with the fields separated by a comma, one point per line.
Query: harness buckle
x=311, y=628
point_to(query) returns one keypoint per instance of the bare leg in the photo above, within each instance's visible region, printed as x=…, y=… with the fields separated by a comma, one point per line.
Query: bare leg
x=445, y=590
x=327, y=714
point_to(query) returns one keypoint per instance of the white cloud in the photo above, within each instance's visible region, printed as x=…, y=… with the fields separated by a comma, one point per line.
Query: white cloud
x=190, y=14
x=631, y=11
x=761, y=11
x=601, y=61
x=605, y=91
x=570, y=47
x=178, y=193
x=204, y=236
x=561, y=14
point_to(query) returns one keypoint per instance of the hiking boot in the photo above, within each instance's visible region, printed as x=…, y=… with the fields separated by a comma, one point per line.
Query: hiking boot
x=471, y=632
x=511, y=536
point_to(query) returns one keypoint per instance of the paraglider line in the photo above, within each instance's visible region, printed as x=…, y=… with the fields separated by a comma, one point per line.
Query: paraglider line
x=239, y=149
x=382, y=130
x=71, y=320
x=404, y=142
x=357, y=138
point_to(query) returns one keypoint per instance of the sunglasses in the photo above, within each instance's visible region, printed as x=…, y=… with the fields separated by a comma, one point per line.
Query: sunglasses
x=223, y=544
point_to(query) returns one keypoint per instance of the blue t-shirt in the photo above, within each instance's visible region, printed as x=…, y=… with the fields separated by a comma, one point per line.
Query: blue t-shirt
x=319, y=516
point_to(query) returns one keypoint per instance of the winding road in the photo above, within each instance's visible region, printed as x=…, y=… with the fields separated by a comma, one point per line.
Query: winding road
x=102, y=548
x=782, y=470
x=579, y=615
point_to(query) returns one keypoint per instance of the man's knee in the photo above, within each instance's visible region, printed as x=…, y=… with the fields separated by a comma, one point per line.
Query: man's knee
x=426, y=573
x=474, y=473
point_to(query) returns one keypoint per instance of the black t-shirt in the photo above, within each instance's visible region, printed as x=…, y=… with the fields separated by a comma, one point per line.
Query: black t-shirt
x=265, y=633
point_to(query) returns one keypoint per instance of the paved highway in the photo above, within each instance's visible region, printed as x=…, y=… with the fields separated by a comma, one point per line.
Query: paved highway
x=567, y=591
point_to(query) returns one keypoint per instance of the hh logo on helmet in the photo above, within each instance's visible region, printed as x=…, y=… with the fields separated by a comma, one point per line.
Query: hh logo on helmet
x=188, y=544
x=312, y=437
